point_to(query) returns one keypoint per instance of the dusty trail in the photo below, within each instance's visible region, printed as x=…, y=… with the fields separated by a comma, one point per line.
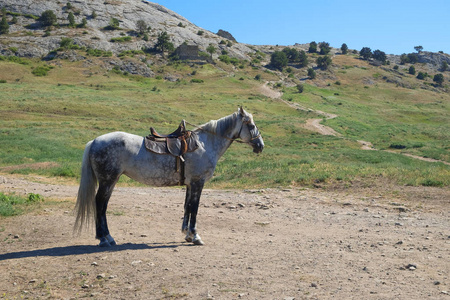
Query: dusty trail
x=260, y=244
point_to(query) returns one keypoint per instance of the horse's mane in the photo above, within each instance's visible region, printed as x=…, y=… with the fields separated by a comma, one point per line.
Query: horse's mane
x=221, y=126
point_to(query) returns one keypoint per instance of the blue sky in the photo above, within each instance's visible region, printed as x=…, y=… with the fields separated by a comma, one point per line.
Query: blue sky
x=393, y=26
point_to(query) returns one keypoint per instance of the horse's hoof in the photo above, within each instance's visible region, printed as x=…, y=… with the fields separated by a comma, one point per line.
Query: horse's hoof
x=188, y=239
x=104, y=243
x=110, y=240
x=198, y=242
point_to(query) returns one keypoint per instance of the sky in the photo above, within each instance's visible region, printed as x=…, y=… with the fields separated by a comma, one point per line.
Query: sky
x=392, y=26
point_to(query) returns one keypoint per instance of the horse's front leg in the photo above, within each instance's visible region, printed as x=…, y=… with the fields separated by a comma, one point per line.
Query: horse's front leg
x=193, y=193
x=187, y=212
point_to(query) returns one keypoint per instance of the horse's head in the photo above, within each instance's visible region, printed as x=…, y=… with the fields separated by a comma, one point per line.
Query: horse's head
x=249, y=133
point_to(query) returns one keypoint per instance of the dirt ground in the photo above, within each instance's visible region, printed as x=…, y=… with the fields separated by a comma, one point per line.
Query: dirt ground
x=367, y=242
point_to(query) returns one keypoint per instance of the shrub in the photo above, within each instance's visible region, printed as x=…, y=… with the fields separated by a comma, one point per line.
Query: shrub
x=114, y=24
x=41, y=71
x=71, y=19
x=311, y=73
x=66, y=42
x=225, y=59
x=312, y=47
x=258, y=77
x=200, y=32
x=48, y=18
x=300, y=88
x=141, y=27
x=344, y=48
x=412, y=70
x=421, y=76
x=196, y=80
x=324, y=48
x=120, y=39
x=4, y=26
x=323, y=62
x=278, y=60
x=365, y=53
x=439, y=79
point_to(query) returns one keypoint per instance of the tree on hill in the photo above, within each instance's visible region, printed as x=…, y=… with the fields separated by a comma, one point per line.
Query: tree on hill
x=311, y=73
x=278, y=60
x=439, y=79
x=323, y=62
x=444, y=66
x=48, y=18
x=163, y=43
x=302, y=59
x=114, y=24
x=365, y=53
x=412, y=70
x=291, y=53
x=71, y=19
x=418, y=48
x=324, y=48
x=421, y=76
x=344, y=48
x=211, y=49
x=379, y=55
x=410, y=58
x=4, y=26
x=312, y=47
x=141, y=27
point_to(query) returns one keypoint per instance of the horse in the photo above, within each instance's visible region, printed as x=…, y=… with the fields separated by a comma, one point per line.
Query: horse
x=111, y=155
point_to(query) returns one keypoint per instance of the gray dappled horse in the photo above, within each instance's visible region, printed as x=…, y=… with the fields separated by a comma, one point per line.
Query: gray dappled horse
x=109, y=156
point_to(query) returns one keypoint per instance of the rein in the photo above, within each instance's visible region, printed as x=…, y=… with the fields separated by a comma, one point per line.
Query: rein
x=227, y=138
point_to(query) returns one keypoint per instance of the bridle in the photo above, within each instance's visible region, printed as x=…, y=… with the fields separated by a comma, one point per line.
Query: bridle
x=235, y=139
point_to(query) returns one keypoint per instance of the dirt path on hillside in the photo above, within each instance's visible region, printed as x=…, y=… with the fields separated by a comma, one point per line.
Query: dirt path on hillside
x=316, y=126
x=368, y=243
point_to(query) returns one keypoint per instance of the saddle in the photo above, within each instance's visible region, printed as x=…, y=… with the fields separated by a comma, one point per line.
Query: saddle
x=176, y=144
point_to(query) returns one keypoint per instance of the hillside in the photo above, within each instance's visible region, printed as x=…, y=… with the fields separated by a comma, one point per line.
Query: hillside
x=62, y=86
x=29, y=37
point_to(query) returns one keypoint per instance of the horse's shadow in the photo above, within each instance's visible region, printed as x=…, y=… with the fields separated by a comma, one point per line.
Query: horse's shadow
x=87, y=249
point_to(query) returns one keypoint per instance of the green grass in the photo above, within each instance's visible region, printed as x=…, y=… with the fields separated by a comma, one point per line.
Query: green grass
x=50, y=119
x=12, y=205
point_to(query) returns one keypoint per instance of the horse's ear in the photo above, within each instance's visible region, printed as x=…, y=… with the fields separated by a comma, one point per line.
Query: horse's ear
x=242, y=111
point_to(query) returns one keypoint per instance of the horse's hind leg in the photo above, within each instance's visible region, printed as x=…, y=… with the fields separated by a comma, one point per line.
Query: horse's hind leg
x=193, y=193
x=101, y=226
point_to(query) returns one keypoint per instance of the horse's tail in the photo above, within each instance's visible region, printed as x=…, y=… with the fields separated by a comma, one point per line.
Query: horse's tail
x=85, y=207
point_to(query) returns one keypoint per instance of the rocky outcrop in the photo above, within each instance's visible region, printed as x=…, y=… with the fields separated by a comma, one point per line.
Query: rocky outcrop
x=226, y=34
x=30, y=39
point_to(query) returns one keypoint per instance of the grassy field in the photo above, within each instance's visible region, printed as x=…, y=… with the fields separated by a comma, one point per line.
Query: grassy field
x=45, y=122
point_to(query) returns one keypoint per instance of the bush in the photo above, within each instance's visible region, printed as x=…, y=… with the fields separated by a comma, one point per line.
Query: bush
x=344, y=48
x=278, y=60
x=66, y=43
x=114, y=24
x=300, y=88
x=10, y=205
x=365, y=53
x=312, y=47
x=439, y=79
x=196, y=80
x=412, y=70
x=421, y=76
x=41, y=71
x=48, y=18
x=311, y=73
x=120, y=39
x=324, y=62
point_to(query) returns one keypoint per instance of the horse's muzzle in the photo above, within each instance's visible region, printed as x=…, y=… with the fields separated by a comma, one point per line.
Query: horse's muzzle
x=258, y=146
